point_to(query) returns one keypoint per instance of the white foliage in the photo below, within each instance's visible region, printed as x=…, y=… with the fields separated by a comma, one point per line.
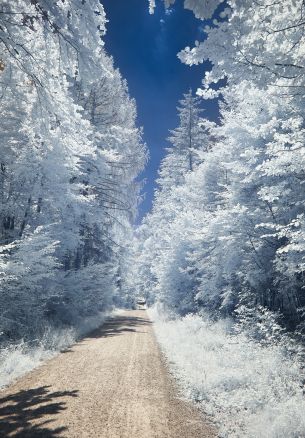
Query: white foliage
x=250, y=390
x=70, y=153
x=18, y=359
x=233, y=228
x=226, y=239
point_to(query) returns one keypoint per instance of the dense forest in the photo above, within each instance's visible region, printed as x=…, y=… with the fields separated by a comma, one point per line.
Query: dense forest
x=222, y=251
x=70, y=153
x=226, y=232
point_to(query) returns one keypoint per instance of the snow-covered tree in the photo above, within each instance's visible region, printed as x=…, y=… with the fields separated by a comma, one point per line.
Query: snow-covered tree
x=187, y=140
x=240, y=221
x=70, y=153
x=163, y=248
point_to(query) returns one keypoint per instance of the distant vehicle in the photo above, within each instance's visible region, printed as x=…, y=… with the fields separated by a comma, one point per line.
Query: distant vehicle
x=141, y=302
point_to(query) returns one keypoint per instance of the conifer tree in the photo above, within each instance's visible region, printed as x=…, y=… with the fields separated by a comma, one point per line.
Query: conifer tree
x=187, y=140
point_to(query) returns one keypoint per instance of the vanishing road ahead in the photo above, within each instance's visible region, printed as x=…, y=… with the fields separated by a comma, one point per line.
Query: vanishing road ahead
x=112, y=384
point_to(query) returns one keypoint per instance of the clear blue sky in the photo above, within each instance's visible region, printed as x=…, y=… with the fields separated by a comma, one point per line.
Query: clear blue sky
x=145, y=50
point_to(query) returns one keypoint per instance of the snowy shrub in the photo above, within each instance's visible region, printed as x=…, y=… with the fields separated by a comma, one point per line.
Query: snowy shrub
x=250, y=389
x=20, y=358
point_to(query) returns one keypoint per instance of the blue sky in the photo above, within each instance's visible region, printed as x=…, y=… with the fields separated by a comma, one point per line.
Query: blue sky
x=145, y=50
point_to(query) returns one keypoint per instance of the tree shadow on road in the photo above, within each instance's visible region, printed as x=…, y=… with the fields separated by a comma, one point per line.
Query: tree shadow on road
x=119, y=325
x=17, y=411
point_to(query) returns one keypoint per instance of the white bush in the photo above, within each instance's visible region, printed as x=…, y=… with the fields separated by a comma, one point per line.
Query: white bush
x=249, y=389
x=18, y=359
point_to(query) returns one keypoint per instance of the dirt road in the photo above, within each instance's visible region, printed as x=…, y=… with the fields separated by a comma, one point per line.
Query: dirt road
x=112, y=384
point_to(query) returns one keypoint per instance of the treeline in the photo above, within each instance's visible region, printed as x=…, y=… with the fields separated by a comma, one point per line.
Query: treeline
x=70, y=152
x=227, y=229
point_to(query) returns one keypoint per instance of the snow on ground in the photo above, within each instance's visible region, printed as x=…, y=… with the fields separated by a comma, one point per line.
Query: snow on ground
x=17, y=360
x=249, y=389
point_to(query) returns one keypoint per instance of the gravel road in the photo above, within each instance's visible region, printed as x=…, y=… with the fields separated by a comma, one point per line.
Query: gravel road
x=112, y=384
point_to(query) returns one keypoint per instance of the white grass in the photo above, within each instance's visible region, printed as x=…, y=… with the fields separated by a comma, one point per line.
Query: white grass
x=17, y=360
x=250, y=390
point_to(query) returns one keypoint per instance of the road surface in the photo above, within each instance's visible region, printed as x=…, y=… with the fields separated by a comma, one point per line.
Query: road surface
x=112, y=384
